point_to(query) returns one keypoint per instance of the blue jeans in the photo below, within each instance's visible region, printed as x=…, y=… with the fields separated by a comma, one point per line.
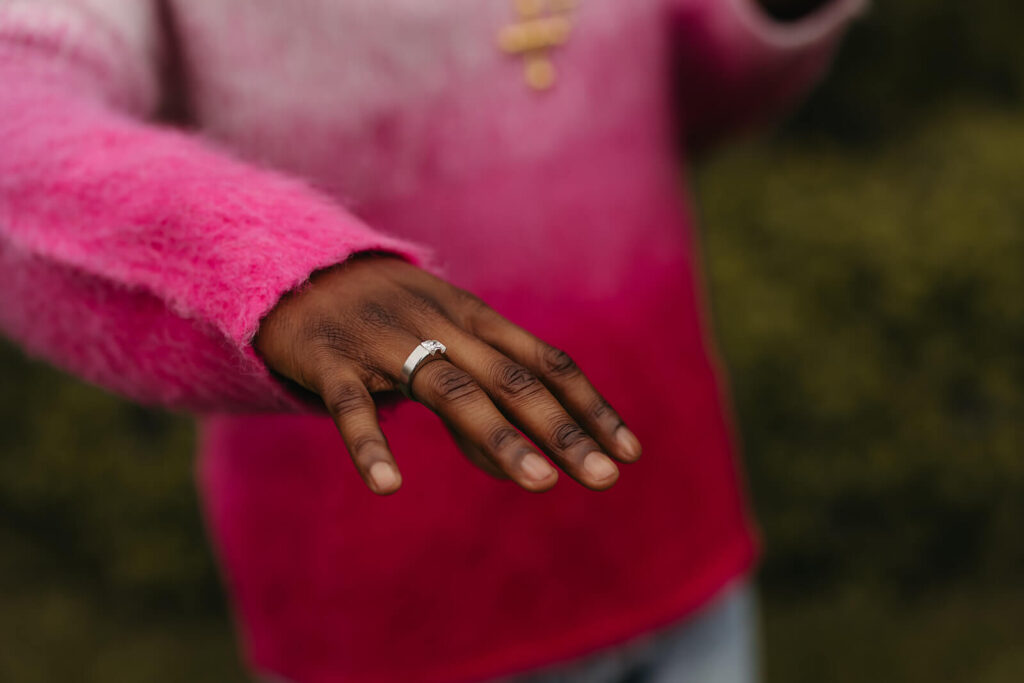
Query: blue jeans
x=717, y=645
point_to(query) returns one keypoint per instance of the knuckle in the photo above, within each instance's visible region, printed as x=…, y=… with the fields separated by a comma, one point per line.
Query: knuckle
x=375, y=379
x=469, y=298
x=329, y=338
x=472, y=304
x=500, y=438
x=474, y=313
x=513, y=380
x=566, y=435
x=313, y=372
x=453, y=385
x=557, y=363
x=600, y=409
x=368, y=443
x=329, y=332
x=374, y=315
x=346, y=399
x=422, y=303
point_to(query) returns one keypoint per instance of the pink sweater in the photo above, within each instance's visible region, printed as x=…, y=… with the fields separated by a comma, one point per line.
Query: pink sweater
x=142, y=257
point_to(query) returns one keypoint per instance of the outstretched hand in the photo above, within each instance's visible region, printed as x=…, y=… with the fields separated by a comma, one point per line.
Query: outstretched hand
x=347, y=335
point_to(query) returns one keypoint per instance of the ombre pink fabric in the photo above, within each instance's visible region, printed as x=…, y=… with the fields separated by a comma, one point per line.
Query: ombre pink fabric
x=142, y=256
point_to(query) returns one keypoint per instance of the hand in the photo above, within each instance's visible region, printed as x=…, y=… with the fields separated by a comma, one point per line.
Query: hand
x=347, y=334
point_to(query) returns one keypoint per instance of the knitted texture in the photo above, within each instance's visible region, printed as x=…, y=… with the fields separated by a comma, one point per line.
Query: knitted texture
x=143, y=258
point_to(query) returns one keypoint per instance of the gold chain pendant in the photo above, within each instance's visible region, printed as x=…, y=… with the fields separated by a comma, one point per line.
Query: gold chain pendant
x=542, y=25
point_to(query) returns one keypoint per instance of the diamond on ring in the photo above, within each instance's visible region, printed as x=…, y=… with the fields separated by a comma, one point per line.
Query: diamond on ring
x=433, y=346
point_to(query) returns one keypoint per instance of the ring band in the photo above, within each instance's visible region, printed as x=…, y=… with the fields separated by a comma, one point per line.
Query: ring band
x=423, y=352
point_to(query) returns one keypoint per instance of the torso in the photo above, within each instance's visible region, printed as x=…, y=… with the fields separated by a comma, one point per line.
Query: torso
x=562, y=209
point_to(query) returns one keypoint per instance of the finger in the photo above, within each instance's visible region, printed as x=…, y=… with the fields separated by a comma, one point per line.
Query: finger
x=524, y=400
x=475, y=455
x=350, y=404
x=458, y=399
x=560, y=374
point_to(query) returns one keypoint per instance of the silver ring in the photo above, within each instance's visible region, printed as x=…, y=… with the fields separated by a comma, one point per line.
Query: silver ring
x=423, y=352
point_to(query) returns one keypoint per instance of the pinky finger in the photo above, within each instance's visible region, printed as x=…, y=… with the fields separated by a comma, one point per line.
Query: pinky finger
x=350, y=404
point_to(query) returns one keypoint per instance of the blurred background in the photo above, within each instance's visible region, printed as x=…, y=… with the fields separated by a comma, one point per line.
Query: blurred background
x=866, y=269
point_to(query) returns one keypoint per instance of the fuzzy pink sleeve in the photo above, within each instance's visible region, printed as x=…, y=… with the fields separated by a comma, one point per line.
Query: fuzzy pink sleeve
x=737, y=66
x=139, y=257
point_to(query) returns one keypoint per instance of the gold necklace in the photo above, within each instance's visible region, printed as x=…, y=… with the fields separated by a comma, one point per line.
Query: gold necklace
x=542, y=25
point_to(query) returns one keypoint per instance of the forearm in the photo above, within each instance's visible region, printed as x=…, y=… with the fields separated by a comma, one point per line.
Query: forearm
x=141, y=257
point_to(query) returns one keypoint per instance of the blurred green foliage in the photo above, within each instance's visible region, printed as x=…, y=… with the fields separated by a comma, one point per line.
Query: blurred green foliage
x=865, y=270
x=104, y=574
x=909, y=60
x=869, y=304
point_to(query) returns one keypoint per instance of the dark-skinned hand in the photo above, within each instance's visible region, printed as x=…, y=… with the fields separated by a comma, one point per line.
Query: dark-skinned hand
x=346, y=335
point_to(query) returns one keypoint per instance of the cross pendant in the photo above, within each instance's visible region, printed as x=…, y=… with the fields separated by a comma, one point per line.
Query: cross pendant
x=542, y=25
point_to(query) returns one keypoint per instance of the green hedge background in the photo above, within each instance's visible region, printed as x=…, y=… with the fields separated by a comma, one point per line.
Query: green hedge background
x=866, y=269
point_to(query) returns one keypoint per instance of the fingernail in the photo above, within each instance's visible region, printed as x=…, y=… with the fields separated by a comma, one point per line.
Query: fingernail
x=598, y=466
x=384, y=476
x=628, y=443
x=535, y=467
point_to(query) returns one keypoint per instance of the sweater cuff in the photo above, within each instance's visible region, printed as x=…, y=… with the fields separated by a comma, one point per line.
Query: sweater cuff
x=270, y=392
x=820, y=25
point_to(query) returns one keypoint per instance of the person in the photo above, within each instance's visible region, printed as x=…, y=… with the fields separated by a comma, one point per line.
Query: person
x=285, y=216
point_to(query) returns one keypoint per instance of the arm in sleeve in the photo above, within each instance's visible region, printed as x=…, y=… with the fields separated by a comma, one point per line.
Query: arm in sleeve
x=736, y=65
x=137, y=256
